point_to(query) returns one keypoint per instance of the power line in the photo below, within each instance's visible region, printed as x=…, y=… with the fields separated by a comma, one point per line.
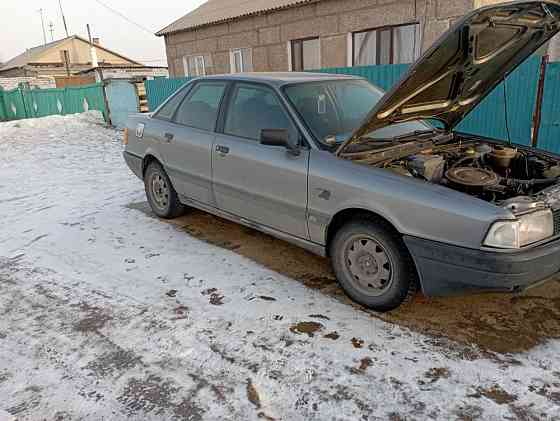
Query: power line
x=122, y=15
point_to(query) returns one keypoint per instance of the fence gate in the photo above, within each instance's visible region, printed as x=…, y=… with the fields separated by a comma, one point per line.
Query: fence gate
x=123, y=100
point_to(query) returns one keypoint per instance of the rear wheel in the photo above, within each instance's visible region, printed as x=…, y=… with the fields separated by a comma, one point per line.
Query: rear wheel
x=162, y=197
x=372, y=265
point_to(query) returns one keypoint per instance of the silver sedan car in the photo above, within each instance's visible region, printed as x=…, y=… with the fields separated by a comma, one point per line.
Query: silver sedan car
x=379, y=183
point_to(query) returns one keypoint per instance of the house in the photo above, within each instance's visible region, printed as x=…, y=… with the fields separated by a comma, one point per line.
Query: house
x=62, y=58
x=125, y=72
x=224, y=36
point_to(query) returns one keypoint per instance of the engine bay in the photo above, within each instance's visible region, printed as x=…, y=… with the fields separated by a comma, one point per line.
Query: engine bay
x=498, y=173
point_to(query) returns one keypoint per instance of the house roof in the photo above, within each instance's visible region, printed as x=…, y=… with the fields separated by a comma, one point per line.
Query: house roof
x=32, y=54
x=218, y=11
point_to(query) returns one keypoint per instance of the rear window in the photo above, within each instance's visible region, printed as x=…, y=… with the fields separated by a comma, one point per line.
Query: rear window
x=200, y=109
x=168, y=110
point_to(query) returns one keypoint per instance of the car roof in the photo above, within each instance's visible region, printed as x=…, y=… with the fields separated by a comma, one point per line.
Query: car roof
x=281, y=78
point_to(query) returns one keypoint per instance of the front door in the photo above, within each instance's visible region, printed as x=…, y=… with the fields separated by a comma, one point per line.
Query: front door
x=187, y=142
x=263, y=184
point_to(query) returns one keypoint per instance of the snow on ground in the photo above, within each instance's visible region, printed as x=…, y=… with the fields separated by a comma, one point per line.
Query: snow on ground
x=108, y=313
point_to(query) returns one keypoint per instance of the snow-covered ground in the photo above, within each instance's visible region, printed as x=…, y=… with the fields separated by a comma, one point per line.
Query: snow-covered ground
x=109, y=313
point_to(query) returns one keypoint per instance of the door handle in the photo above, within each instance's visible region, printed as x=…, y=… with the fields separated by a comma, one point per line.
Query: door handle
x=222, y=150
x=168, y=137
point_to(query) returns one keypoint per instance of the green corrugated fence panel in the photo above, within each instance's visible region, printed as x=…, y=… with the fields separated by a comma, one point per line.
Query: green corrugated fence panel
x=3, y=114
x=384, y=76
x=158, y=90
x=81, y=98
x=549, y=134
x=489, y=117
x=44, y=102
x=15, y=105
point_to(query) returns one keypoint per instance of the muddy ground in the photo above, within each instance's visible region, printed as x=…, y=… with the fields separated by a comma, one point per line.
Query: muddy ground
x=502, y=323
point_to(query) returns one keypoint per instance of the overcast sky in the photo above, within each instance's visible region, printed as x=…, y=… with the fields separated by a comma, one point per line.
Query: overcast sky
x=20, y=24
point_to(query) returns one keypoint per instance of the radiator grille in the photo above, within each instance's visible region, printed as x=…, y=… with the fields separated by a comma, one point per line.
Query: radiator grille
x=556, y=222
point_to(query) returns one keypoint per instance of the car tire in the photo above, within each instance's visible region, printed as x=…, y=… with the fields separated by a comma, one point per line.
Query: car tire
x=162, y=197
x=372, y=265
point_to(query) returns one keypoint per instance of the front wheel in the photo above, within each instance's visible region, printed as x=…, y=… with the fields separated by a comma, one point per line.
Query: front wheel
x=162, y=197
x=373, y=265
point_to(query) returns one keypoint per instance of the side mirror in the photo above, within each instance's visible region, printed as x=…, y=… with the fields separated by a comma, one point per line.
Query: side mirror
x=279, y=137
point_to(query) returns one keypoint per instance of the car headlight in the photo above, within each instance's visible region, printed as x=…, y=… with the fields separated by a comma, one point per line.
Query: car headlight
x=525, y=230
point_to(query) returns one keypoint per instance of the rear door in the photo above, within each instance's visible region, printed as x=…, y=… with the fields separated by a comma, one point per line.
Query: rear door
x=188, y=138
x=264, y=184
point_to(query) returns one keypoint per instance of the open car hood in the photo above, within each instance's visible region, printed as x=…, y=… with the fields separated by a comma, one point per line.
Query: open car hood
x=465, y=65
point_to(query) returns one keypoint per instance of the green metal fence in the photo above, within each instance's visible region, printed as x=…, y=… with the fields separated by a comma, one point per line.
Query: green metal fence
x=158, y=90
x=384, y=76
x=23, y=103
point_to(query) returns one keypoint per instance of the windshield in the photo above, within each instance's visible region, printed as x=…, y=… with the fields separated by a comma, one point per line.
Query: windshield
x=335, y=109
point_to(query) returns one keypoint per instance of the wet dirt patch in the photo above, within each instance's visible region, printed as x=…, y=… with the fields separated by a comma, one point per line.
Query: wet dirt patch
x=547, y=391
x=266, y=298
x=468, y=413
x=435, y=374
x=333, y=335
x=307, y=328
x=151, y=394
x=365, y=363
x=94, y=319
x=215, y=298
x=181, y=313
x=172, y=293
x=357, y=343
x=113, y=363
x=496, y=394
x=318, y=316
x=503, y=323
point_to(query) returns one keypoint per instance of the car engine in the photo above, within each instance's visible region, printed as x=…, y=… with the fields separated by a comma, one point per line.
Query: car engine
x=492, y=172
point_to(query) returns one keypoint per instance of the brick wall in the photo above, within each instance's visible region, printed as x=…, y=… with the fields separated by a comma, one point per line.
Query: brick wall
x=332, y=20
x=42, y=82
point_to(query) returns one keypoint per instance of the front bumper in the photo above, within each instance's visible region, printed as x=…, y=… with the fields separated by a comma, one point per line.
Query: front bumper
x=450, y=270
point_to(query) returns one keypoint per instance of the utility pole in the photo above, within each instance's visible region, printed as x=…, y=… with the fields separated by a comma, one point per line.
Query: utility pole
x=100, y=76
x=43, y=25
x=51, y=30
x=63, y=18
x=94, y=62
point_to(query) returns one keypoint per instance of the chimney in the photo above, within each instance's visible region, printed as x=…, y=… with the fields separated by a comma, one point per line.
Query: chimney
x=96, y=41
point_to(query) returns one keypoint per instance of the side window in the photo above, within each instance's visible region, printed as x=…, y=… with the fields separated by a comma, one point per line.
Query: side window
x=166, y=112
x=200, y=109
x=254, y=108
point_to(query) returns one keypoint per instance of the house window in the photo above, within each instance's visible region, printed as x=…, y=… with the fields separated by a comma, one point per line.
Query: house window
x=388, y=45
x=241, y=60
x=194, y=66
x=306, y=54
